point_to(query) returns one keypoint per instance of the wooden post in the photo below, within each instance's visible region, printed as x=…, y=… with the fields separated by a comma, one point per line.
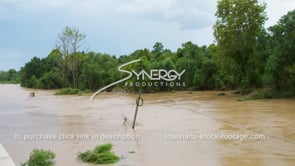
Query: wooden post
x=139, y=102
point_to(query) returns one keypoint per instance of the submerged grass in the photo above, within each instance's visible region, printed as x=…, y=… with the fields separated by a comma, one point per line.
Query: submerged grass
x=72, y=91
x=132, y=152
x=101, y=154
x=68, y=91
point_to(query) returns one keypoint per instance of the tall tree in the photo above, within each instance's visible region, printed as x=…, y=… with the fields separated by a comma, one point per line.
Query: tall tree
x=69, y=42
x=236, y=30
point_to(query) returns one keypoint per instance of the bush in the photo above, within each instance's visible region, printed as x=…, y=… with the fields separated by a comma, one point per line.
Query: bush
x=100, y=155
x=39, y=157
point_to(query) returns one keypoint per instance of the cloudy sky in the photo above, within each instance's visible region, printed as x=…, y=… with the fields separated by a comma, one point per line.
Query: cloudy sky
x=30, y=27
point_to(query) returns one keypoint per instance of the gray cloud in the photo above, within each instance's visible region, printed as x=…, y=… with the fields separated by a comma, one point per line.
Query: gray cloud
x=190, y=14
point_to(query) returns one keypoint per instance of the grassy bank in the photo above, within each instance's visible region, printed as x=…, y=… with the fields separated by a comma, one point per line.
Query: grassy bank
x=269, y=94
x=9, y=82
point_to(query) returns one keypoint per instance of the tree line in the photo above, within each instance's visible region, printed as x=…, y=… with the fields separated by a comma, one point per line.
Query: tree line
x=10, y=76
x=245, y=56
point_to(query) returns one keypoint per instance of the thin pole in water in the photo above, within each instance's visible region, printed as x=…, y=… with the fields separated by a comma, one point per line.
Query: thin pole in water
x=139, y=102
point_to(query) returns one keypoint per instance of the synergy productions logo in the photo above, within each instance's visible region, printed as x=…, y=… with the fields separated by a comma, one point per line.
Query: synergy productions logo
x=155, y=78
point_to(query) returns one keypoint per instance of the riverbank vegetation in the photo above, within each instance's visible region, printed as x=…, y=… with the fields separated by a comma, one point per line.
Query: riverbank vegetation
x=246, y=56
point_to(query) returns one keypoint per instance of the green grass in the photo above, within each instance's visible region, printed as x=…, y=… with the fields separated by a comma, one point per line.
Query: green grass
x=101, y=154
x=40, y=157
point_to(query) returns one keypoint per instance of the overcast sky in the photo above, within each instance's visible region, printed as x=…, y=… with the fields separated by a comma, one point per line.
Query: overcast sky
x=30, y=27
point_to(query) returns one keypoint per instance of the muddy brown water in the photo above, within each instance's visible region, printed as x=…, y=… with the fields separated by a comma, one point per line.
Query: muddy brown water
x=165, y=133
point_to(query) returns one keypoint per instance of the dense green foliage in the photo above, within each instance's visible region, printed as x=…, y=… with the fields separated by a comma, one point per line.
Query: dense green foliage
x=245, y=56
x=39, y=157
x=100, y=155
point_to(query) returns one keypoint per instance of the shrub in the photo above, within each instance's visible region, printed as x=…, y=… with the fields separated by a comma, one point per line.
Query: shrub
x=39, y=157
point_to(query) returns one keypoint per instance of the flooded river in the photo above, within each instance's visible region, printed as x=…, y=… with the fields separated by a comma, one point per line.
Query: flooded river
x=172, y=128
